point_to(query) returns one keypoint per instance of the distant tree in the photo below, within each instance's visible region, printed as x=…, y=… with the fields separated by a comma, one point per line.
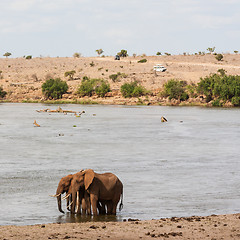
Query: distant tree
x=70, y=74
x=99, y=51
x=219, y=57
x=123, y=53
x=77, y=55
x=29, y=57
x=54, y=88
x=2, y=93
x=134, y=55
x=168, y=54
x=7, y=54
x=236, y=52
x=211, y=50
x=158, y=53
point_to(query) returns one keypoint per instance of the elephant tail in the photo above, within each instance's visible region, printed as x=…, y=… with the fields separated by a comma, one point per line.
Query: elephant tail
x=121, y=203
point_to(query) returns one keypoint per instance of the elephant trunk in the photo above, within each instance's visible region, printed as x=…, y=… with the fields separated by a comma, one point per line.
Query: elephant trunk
x=60, y=204
x=59, y=200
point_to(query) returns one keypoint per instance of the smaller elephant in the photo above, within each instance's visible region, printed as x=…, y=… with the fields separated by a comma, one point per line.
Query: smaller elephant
x=63, y=187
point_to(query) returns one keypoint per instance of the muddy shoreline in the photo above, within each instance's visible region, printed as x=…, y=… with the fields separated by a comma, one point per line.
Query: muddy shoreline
x=195, y=227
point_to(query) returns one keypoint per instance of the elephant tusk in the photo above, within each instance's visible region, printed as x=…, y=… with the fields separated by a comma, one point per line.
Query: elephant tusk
x=56, y=195
x=67, y=195
x=70, y=204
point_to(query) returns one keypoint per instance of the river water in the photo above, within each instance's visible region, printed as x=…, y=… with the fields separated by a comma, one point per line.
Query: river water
x=186, y=166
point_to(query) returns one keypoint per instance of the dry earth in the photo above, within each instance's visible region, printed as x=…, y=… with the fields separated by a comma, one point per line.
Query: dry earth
x=213, y=227
x=22, y=78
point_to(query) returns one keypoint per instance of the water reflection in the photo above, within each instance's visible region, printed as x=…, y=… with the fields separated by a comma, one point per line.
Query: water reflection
x=77, y=218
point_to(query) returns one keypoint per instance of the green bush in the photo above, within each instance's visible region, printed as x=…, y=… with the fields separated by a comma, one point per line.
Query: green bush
x=29, y=57
x=54, y=88
x=217, y=103
x=102, y=89
x=142, y=60
x=117, y=76
x=2, y=93
x=218, y=86
x=90, y=86
x=133, y=89
x=122, y=53
x=70, y=74
x=219, y=57
x=175, y=89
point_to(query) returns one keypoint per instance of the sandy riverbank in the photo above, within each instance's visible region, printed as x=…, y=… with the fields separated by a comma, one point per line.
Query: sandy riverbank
x=22, y=78
x=211, y=227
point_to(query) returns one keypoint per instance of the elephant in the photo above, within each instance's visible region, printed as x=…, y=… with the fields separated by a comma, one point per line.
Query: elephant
x=63, y=187
x=105, y=188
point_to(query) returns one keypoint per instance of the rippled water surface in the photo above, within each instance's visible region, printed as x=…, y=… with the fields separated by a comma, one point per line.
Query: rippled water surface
x=186, y=166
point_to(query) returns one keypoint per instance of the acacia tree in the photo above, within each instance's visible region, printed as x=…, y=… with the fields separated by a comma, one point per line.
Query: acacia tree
x=99, y=51
x=7, y=54
x=70, y=74
x=123, y=53
x=211, y=50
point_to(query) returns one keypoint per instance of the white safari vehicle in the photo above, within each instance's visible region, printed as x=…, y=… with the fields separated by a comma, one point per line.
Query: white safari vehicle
x=159, y=68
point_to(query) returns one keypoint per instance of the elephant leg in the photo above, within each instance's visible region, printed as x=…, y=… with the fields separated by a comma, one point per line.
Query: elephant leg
x=94, y=200
x=87, y=203
x=84, y=206
x=114, y=208
x=109, y=207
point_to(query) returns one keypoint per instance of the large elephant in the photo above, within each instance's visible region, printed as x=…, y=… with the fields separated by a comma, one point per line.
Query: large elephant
x=106, y=188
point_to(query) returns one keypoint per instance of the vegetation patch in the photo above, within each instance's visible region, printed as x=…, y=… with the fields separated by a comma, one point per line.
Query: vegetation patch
x=142, y=60
x=54, y=88
x=133, y=89
x=90, y=86
x=2, y=92
x=220, y=86
x=116, y=77
x=175, y=89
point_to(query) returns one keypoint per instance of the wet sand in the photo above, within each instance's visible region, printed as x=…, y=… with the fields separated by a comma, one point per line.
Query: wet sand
x=210, y=227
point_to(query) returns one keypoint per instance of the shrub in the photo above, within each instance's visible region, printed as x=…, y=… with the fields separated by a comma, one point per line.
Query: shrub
x=117, y=76
x=175, y=89
x=235, y=101
x=219, y=57
x=70, y=74
x=102, y=89
x=77, y=55
x=54, y=88
x=132, y=89
x=89, y=86
x=221, y=71
x=29, y=57
x=92, y=64
x=217, y=103
x=122, y=53
x=158, y=53
x=142, y=60
x=2, y=93
x=223, y=87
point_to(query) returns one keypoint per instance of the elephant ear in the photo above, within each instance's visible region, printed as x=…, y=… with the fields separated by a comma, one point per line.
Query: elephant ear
x=88, y=177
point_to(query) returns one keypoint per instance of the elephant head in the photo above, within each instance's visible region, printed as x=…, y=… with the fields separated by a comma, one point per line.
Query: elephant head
x=63, y=187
